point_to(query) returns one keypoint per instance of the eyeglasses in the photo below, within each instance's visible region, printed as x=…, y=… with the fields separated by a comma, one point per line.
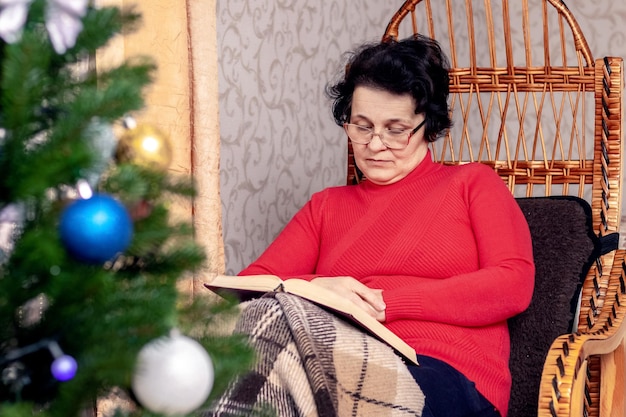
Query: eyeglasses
x=396, y=139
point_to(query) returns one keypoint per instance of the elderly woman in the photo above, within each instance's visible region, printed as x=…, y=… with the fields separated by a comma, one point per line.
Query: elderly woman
x=441, y=255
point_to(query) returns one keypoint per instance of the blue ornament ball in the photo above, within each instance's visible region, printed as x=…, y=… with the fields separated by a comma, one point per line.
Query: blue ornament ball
x=64, y=368
x=96, y=229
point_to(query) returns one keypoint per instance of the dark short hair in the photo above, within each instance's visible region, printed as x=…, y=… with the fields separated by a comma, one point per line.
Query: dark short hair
x=415, y=66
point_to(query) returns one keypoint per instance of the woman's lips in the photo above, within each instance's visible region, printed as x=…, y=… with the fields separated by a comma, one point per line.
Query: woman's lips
x=377, y=161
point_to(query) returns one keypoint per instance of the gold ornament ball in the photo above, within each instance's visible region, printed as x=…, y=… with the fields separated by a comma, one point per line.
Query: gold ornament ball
x=145, y=145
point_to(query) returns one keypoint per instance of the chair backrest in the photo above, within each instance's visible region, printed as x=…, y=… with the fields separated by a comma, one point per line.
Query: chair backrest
x=529, y=99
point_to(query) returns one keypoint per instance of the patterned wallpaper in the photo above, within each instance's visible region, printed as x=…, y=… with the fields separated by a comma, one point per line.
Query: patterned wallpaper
x=279, y=143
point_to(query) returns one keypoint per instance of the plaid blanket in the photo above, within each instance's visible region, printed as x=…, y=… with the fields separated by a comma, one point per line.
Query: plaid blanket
x=312, y=363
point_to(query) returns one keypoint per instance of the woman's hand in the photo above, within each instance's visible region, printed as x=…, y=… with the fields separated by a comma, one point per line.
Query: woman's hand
x=368, y=299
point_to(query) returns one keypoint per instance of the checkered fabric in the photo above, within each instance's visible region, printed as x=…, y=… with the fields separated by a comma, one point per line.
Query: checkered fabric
x=313, y=363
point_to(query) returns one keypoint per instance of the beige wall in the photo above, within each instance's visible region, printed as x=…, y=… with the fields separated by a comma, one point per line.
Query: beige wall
x=180, y=35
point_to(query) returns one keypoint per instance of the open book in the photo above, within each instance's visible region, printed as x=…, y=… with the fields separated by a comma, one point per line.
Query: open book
x=246, y=287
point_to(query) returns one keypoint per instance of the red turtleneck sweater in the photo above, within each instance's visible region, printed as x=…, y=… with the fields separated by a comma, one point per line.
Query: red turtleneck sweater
x=450, y=248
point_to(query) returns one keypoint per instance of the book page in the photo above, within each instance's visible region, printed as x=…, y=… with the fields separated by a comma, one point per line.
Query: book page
x=345, y=307
x=247, y=286
x=260, y=283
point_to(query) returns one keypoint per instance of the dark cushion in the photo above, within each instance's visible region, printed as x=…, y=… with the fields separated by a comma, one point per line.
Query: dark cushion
x=564, y=247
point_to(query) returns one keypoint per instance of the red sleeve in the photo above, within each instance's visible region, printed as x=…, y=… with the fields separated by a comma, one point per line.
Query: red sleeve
x=501, y=288
x=294, y=253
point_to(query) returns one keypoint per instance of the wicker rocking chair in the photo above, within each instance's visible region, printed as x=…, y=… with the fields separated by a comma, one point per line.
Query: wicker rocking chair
x=529, y=99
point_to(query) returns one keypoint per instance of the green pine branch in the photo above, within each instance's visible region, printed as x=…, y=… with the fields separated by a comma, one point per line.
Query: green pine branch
x=102, y=315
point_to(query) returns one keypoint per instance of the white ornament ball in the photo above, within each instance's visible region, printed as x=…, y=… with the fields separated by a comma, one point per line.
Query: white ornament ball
x=173, y=376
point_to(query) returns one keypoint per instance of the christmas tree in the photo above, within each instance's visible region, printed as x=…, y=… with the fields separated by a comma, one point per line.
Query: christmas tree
x=89, y=257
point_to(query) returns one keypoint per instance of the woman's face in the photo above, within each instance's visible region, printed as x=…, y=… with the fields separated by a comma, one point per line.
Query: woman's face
x=380, y=110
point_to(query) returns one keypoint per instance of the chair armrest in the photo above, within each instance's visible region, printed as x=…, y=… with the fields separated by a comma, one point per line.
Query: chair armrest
x=584, y=372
